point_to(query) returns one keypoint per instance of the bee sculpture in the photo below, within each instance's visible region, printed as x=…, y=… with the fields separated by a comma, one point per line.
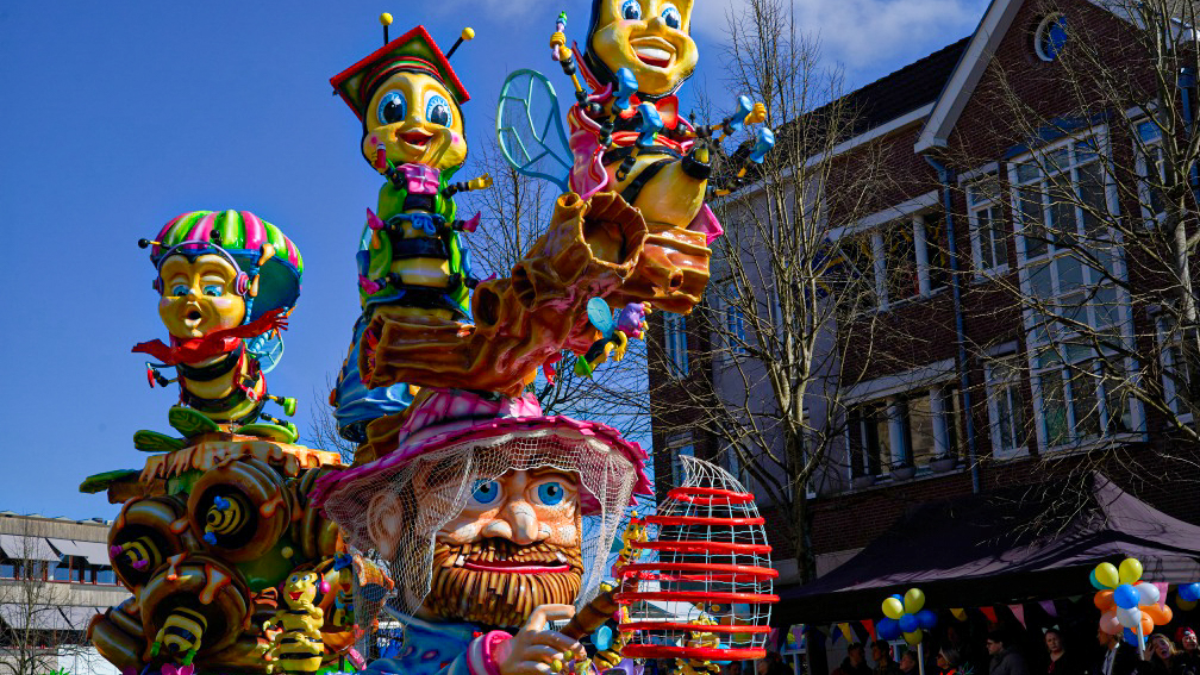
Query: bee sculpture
x=225, y=517
x=180, y=634
x=298, y=647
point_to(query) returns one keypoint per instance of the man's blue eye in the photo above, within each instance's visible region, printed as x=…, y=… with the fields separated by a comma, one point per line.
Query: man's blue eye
x=671, y=17
x=631, y=10
x=392, y=108
x=214, y=291
x=551, y=493
x=179, y=289
x=486, y=492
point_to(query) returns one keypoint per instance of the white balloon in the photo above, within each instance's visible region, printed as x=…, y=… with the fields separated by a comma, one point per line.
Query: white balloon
x=1129, y=618
x=1148, y=593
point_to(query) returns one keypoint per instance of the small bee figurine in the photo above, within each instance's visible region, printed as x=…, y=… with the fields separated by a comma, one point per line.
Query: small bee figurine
x=614, y=340
x=298, y=647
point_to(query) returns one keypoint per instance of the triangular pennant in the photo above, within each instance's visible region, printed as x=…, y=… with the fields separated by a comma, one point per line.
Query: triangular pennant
x=959, y=613
x=870, y=626
x=1075, y=598
x=848, y=632
x=1049, y=608
x=1162, y=593
x=834, y=634
x=990, y=613
x=1019, y=612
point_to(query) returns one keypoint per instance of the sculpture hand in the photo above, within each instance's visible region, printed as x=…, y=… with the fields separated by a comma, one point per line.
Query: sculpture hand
x=533, y=649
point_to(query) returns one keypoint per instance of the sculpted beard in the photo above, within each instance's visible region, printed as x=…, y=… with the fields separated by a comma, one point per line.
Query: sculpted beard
x=501, y=598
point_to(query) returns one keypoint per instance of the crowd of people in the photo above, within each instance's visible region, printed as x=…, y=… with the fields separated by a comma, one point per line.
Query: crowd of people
x=1164, y=655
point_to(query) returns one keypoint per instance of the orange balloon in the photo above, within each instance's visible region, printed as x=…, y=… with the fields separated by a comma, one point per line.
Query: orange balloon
x=1147, y=624
x=1158, y=613
x=1104, y=601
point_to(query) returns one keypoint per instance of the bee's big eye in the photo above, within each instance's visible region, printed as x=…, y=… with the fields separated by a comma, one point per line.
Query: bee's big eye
x=392, y=108
x=437, y=111
x=671, y=17
x=631, y=10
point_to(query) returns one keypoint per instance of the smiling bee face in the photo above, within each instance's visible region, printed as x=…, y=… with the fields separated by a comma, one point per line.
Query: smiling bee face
x=415, y=118
x=650, y=37
x=199, y=296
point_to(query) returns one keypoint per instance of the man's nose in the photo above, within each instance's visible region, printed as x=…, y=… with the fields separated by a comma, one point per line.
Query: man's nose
x=518, y=522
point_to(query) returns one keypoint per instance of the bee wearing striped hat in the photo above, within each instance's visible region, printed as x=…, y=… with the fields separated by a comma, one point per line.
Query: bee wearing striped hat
x=226, y=281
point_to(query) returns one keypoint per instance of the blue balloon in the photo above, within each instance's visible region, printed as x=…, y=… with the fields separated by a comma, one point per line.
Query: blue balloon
x=898, y=597
x=1130, y=636
x=927, y=618
x=1096, y=584
x=908, y=623
x=887, y=629
x=1190, y=592
x=1126, y=596
x=602, y=638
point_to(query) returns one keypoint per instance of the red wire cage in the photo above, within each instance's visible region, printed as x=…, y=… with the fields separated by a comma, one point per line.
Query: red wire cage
x=703, y=588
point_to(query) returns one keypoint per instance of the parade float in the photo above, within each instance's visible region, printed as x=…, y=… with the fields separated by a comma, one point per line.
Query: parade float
x=477, y=523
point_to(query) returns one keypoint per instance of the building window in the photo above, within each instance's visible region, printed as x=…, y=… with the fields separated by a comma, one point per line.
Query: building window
x=61, y=571
x=679, y=445
x=989, y=243
x=1061, y=197
x=1006, y=406
x=905, y=259
x=735, y=322
x=675, y=343
x=105, y=575
x=8, y=569
x=1050, y=37
x=1177, y=377
x=907, y=430
x=1151, y=168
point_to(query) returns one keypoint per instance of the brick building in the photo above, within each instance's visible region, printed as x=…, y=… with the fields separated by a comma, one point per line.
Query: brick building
x=964, y=401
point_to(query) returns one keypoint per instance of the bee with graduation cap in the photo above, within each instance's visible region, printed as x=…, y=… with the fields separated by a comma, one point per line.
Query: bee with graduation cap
x=412, y=259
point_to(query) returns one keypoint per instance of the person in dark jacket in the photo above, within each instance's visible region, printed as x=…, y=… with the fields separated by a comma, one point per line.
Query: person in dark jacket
x=1119, y=658
x=1061, y=661
x=1005, y=661
x=855, y=662
x=881, y=654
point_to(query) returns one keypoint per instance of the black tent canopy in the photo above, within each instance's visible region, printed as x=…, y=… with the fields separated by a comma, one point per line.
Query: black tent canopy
x=1002, y=547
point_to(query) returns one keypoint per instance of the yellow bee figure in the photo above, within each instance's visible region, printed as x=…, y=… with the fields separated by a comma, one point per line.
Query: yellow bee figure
x=298, y=647
x=180, y=634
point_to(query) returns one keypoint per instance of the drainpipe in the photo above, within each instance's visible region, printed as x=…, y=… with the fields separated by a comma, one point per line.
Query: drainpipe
x=945, y=176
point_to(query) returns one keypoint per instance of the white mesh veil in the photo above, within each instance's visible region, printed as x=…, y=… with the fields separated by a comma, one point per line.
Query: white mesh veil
x=392, y=515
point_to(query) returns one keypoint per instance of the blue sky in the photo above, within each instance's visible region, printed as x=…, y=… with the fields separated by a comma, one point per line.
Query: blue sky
x=117, y=116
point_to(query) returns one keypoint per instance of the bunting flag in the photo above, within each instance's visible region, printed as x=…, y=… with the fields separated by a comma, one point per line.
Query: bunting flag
x=870, y=626
x=1075, y=598
x=847, y=632
x=834, y=634
x=990, y=613
x=1162, y=593
x=1048, y=606
x=1019, y=612
x=959, y=613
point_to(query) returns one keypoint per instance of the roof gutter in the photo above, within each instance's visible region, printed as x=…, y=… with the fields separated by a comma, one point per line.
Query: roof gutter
x=945, y=176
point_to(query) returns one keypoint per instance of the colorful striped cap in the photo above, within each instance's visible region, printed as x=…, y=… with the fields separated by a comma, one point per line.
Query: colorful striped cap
x=415, y=51
x=242, y=234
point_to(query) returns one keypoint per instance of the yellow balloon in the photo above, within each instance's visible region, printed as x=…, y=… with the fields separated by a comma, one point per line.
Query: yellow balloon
x=893, y=608
x=1131, y=571
x=914, y=600
x=913, y=637
x=1106, y=574
x=1185, y=605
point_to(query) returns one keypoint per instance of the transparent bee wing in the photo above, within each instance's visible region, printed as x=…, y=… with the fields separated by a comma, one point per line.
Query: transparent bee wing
x=529, y=127
x=267, y=348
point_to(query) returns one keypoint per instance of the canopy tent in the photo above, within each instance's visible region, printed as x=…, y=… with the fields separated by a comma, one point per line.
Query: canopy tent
x=1006, y=546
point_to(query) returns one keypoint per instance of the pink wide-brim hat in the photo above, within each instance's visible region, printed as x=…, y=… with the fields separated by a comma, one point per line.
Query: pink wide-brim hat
x=451, y=418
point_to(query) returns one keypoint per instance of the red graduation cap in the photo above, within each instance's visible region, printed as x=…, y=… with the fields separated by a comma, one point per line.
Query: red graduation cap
x=415, y=51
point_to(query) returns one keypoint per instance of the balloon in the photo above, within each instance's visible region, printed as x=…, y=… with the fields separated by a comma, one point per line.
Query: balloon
x=1129, y=618
x=897, y=596
x=914, y=600
x=1106, y=574
x=1186, y=605
x=913, y=637
x=887, y=629
x=603, y=638
x=927, y=618
x=1126, y=597
x=1095, y=582
x=1131, y=571
x=1190, y=592
x=909, y=623
x=1148, y=593
x=893, y=608
x=1109, y=623
x=1104, y=601
x=1147, y=624
x=1131, y=637
x=1161, y=615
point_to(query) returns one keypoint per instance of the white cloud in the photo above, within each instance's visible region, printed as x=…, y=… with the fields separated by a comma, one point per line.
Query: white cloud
x=869, y=37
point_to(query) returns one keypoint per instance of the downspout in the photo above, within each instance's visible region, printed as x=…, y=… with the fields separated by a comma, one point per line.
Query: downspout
x=945, y=176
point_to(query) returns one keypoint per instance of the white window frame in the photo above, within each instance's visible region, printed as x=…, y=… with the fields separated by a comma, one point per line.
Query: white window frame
x=675, y=344
x=679, y=444
x=1142, y=167
x=974, y=208
x=734, y=320
x=1167, y=339
x=1035, y=346
x=995, y=391
x=897, y=440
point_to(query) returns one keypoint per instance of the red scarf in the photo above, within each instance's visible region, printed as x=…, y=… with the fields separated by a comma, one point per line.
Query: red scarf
x=214, y=344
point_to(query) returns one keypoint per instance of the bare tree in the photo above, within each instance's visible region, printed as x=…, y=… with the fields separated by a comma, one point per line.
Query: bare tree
x=789, y=295
x=34, y=633
x=1100, y=212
